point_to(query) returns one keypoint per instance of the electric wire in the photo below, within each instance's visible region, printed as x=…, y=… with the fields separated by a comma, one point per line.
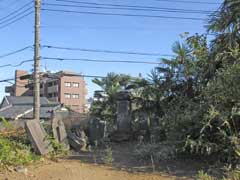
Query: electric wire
x=133, y=6
x=16, y=20
x=16, y=65
x=100, y=60
x=106, y=51
x=15, y=52
x=19, y=9
x=15, y=16
x=77, y=75
x=122, y=14
x=125, y=8
x=191, y=2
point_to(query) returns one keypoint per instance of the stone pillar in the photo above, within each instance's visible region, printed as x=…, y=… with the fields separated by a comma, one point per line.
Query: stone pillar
x=59, y=132
x=37, y=137
x=97, y=130
x=123, y=111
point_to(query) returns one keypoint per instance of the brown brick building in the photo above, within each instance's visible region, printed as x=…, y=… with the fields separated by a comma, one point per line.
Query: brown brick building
x=67, y=88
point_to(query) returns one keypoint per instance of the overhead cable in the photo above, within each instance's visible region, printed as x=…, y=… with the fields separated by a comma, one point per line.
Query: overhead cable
x=16, y=65
x=189, y=2
x=126, y=8
x=18, y=19
x=100, y=60
x=78, y=75
x=15, y=16
x=123, y=14
x=19, y=9
x=15, y=52
x=106, y=51
x=133, y=6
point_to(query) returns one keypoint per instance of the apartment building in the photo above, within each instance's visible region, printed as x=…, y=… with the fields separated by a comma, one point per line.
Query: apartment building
x=65, y=87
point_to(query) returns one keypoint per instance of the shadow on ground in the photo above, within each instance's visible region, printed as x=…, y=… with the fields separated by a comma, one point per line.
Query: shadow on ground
x=124, y=159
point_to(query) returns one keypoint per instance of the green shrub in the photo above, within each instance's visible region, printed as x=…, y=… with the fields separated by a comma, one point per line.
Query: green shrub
x=58, y=149
x=14, y=153
x=229, y=175
x=108, y=158
x=5, y=123
x=204, y=176
x=233, y=175
x=160, y=151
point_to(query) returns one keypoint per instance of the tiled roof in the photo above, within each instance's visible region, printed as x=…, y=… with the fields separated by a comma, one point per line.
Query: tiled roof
x=22, y=107
x=23, y=112
x=25, y=100
x=14, y=111
x=45, y=113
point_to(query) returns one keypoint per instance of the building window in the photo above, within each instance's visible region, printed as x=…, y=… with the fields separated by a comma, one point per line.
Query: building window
x=75, y=84
x=55, y=83
x=50, y=95
x=67, y=95
x=50, y=84
x=75, y=96
x=67, y=84
x=55, y=94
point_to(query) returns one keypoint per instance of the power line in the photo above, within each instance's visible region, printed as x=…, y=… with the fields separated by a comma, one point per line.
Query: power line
x=128, y=28
x=106, y=51
x=22, y=86
x=15, y=16
x=80, y=59
x=18, y=19
x=82, y=75
x=121, y=14
x=45, y=26
x=99, y=61
x=191, y=2
x=15, y=52
x=127, y=8
x=16, y=65
x=77, y=75
x=6, y=80
x=19, y=9
x=133, y=6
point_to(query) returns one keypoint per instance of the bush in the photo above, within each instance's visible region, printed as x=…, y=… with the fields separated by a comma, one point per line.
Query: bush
x=230, y=175
x=14, y=153
x=160, y=151
x=204, y=176
x=108, y=159
x=233, y=175
x=58, y=149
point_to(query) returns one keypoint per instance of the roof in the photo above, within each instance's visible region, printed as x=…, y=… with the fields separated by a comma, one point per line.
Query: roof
x=63, y=73
x=14, y=111
x=45, y=113
x=25, y=100
x=25, y=112
x=22, y=107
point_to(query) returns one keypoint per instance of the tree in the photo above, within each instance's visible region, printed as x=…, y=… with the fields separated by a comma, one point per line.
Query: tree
x=111, y=84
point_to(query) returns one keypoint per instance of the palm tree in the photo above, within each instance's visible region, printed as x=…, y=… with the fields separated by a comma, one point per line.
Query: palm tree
x=111, y=84
x=226, y=22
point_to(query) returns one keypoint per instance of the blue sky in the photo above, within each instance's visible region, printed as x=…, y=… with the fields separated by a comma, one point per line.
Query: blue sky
x=153, y=35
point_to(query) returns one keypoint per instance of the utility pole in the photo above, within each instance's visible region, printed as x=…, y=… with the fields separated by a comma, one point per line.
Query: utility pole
x=36, y=109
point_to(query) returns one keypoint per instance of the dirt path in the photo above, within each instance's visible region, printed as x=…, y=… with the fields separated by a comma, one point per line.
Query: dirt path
x=75, y=170
x=89, y=166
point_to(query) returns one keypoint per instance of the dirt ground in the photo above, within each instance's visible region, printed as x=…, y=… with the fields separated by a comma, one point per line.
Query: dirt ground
x=89, y=166
x=75, y=170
